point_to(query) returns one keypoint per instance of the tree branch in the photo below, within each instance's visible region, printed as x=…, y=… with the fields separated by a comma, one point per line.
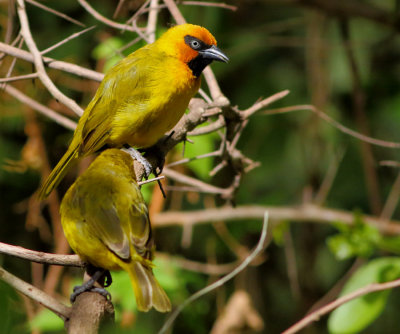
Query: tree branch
x=37, y=59
x=305, y=213
x=316, y=315
x=41, y=257
x=32, y=292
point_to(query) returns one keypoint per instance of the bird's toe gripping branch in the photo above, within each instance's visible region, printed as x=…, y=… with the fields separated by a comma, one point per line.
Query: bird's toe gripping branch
x=135, y=154
x=88, y=286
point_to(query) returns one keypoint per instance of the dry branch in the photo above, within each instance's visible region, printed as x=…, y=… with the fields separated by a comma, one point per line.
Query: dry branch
x=304, y=213
x=36, y=294
x=37, y=59
x=41, y=257
x=316, y=315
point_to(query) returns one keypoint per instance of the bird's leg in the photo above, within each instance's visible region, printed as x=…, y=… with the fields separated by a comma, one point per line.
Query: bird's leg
x=96, y=274
x=135, y=154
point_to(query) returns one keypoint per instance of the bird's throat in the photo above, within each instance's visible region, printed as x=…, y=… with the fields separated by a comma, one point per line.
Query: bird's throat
x=198, y=64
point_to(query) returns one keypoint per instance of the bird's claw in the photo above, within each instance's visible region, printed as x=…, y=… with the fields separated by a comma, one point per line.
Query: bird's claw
x=136, y=155
x=81, y=289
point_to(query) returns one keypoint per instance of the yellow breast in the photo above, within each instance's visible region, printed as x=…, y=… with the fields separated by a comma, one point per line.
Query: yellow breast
x=147, y=117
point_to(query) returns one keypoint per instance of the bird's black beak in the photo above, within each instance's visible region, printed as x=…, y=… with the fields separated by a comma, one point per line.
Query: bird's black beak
x=214, y=53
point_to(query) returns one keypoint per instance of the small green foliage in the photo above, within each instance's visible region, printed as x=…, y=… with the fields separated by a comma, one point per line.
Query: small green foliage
x=359, y=313
x=359, y=239
x=107, y=50
x=12, y=314
x=279, y=231
x=46, y=320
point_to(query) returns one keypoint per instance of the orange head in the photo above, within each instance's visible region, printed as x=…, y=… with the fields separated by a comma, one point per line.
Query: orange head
x=193, y=45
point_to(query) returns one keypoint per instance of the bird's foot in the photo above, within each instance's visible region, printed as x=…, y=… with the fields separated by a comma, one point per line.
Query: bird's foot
x=135, y=154
x=88, y=286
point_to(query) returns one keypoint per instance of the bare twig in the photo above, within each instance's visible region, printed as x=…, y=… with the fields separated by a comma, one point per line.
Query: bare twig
x=152, y=21
x=62, y=120
x=204, y=268
x=336, y=124
x=392, y=200
x=55, y=12
x=52, y=63
x=32, y=292
x=37, y=59
x=264, y=103
x=259, y=248
x=69, y=38
x=103, y=19
x=304, y=213
x=200, y=185
x=209, y=4
x=316, y=315
x=19, y=77
x=41, y=257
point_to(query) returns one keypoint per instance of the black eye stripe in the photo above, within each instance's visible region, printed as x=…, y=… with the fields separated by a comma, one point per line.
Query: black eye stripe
x=201, y=45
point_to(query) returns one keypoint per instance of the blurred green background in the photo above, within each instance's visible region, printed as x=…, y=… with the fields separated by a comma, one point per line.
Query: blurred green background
x=272, y=46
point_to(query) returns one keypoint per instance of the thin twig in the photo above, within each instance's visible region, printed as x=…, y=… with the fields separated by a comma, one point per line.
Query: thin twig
x=158, y=178
x=336, y=124
x=62, y=120
x=19, y=77
x=259, y=248
x=52, y=63
x=264, y=103
x=204, y=268
x=200, y=185
x=392, y=200
x=103, y=19
x=316, y=315
x=70, y=38
x=55, y=12
x=209, y=4
x=37, y=58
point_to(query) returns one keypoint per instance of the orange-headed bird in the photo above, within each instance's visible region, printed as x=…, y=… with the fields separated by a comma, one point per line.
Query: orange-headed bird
x=106, y=222
x=141, y=97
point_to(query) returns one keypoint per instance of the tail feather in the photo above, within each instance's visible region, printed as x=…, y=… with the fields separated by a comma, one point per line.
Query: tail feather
x=58, y=173
x=148, y=291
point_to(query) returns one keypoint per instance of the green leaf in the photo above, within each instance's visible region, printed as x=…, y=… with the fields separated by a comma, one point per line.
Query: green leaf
x=279, y=231
x=359, y=239
x=359, y=313
x=46, y=320
x=107, y=50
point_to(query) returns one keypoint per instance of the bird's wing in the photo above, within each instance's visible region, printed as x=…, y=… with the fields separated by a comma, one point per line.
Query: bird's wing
x=121, y=86
x=140, y=230
x=119, y=221
x=105, y=223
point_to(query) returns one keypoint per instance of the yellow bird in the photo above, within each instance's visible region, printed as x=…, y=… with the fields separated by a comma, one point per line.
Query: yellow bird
x=106, y=222
x=141, y=97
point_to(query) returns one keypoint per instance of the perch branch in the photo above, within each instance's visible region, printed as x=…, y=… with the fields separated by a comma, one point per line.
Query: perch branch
x=41, y=257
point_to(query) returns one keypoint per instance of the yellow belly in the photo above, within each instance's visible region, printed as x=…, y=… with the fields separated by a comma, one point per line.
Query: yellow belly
x=141, y=125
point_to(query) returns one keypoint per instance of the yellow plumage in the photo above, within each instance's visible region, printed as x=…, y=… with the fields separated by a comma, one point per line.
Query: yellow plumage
x=105, y=221
x=141, y=97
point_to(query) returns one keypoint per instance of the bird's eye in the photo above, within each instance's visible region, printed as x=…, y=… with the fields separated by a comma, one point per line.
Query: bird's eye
x=195, y=44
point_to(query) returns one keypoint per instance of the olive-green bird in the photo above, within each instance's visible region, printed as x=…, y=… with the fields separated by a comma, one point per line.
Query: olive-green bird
x=106, y=222
x=141, y=97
